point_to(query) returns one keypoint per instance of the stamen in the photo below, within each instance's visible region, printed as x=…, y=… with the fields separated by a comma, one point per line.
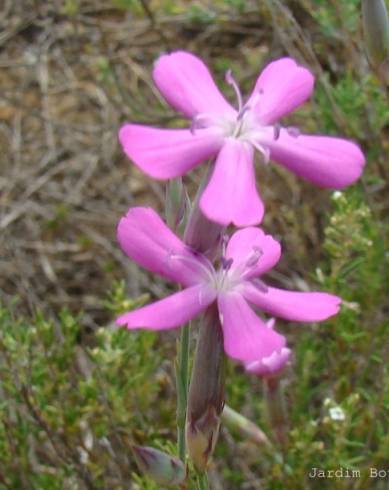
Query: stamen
x=245, y=109
x=231, y=81
x=224, y=241
x=254, y=100
x=193, y=126
x=293, y=131
x=226, y=263
x=260, y=285
x=254, y=256
x=262, y=149
x=201, y=121
x=277, y=131
x=198, y=263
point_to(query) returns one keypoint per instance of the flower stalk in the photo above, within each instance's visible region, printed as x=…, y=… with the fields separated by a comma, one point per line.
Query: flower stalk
x=202, y=481
x=276, y=408
x=175, y=204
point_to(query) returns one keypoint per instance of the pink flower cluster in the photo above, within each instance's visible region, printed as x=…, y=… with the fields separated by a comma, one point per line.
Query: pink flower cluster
x=231, y=196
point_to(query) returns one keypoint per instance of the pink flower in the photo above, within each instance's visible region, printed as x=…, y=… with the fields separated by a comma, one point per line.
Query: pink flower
x=272, y=364
x=217, y=129
x=234, y=285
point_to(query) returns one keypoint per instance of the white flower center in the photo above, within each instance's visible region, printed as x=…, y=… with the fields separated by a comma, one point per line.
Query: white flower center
x=227, y=277
x=244, y=124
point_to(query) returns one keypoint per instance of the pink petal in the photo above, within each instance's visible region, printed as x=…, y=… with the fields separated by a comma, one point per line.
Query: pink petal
x=186, y=84
x=268, y=366
x=173, y=311
x=294, y=306
x=146, y=239
x=325, y=161
x=246, y=336
x=244, y=244
x=231, y=195
x=168, y=153
x=281, y=88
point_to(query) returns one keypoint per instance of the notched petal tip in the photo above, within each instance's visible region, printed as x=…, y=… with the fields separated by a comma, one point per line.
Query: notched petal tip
x=187, y=85
x=283, y=86
x=121, y=321
x=324, y=160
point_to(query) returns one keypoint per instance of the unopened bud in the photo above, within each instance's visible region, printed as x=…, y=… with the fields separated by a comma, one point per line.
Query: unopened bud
x=177, y=203
x=239, y=423
x=159, y=466
x=206, y=391
x=376, y=34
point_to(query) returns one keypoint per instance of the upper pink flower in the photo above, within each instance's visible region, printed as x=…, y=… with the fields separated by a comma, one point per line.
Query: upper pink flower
x=234, y=286
x=217, y=129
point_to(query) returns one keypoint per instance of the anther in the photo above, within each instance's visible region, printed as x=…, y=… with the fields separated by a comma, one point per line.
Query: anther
x=226, y=263
x=277, y=131
x=231, y=81
x=255, y=255
x=262, y=149
x=243, y=112
x=223, y=244
x=200, y=121
x=293, y=131
x=260, y=285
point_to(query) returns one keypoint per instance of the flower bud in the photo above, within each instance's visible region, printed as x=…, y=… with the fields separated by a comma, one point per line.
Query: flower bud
x=376, y=34
x=239, y=423
x=206, y=391
x=159, y=466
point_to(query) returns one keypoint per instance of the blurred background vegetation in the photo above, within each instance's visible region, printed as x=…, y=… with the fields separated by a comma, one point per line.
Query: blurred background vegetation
x=75, y=393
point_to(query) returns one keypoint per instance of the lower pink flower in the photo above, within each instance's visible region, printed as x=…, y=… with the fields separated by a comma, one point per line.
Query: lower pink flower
x=234, y=285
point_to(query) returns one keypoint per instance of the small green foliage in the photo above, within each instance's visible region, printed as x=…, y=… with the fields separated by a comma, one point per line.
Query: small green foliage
x=62, y=214
x=201, y=14
x=130, y=5
x=353, y=96
x=69, y=412
x=338, y=15
x=118, y=301
x=104, y=70
x=71, y=7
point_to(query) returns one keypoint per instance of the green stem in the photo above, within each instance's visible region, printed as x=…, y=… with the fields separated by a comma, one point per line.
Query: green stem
x=182, y=381
x=202, y=481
